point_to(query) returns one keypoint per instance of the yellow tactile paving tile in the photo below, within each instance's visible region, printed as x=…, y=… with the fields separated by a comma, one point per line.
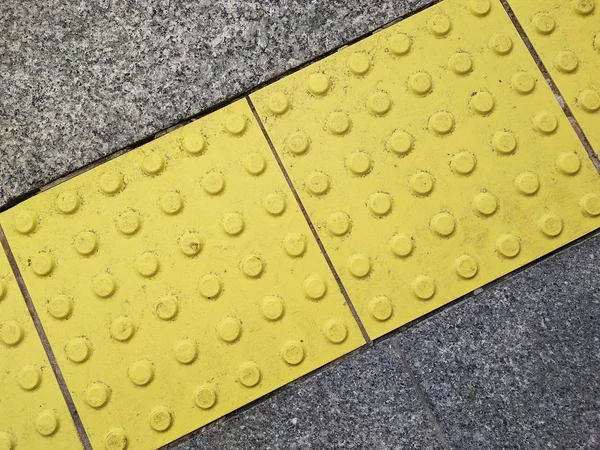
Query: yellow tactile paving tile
x=566, y=35
x=33, y=412
x=179, y=282
x=432, y=159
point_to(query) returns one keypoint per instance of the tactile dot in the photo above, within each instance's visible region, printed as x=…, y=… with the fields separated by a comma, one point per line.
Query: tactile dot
x=590, y=204
x=147, y=264
x=6, y=441
x=550, y=224
x=274, y=203
x=229, y=329
x=338, y=123
x=194, y=143
x=171, y=203
x=566, y=61
x=96, y=395
x=439, y=25
x=160, y=418
x=544, y=24
x=318, y=83
x=129, y=222
x=441, y=123
x=86, y=243
x=294, y=244
x=115, y=439
x=60, y=306
x=104, y=285
x=443, y=224
x=272, y=308
x=213, y=183
x=205, y=397
x=11, y=333
x=278, y=103
x=359, y=163
x=485, y=203
x=314, y=287
x=359, y=265
x=335, y=331
x=589, y=100
x=122, y=329
x=501, y=44
x=379, y=103
x=421, y=183
x=255, y=164
x=420, y=83
x=463, y=163
x=461, y=63
x=249, y=374
x=186, y=351
x=568, y=163
x=401, y=245
x=166, y=307
x=317, y=183
x=380, y=204
x=423, y=287
x=504, y=142
x=480, y=7
x=46, y=422
x=78, y=350
x=190, y=244
x=400, y=143
x=583, y=7
x=380, y=308
x=252, y=266
x=68, y=202
x=25, y=222
x=29, y=377
x=482, y=103
x=297, y=143
x=292, y=353
x=210, y=286
x=359, y=64
x=153, y=163
x=338, y=223
x=399, y=44
x=545, y=122
x=141, y=372
x=527, y=183
x=466, y=266
x=235, y=124
x=111, y=182
x=508, y=246
x=233, y=223
x=42, y=264
x=523, y=83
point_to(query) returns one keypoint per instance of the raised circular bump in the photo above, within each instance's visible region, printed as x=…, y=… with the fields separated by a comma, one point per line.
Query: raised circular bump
x=96, y=395
x=292, y=352
x=297, y=143
x=255, y=164
x=589, y=100
x=545, y=122
x=566, y=61
x=111, y=182
x=25, y=222
x=249, y=374
x=420, y=83
x=78, y=350
x=379, y=103
x=166, y=307
x=583, y=7
x=380, y=308
x=508, y=246
x=43, y=264
x=480, y=7
x=401, y=245
x=210, y=286
x=153, y=163
x=504, y=142
x=461, y=63
x=278, y=103
x=590, y=204
x=399, y=44
x=482, y=103
x=86, y=243
x=443, y=224
x=380, y=204
x=359, y=265
x=205, y=396
x=439, y=25
x=171, y=203
x=335, y=331
x=46, y=422
x=527, y=183
x=551, y=225
x=11, y=333
x=317, y=183
x=423, y=287
x=568, y=163
x=104, y=285
x=235, y=124
x=359, y=163
x=294, y=244
x=29, y=377
x=6, y=441
x=272, y=308
x=544, y=23
x=141, y=372
x=129, y=222
x=213, y=183
x=60, y=306
x=400, y=142
x=318, y=84
x=185, y=351
x=463, y=163
x=523, y=83
x=338, y=223
x=466, y=266
x=122, y=329
x=147, y=264
x=314, y=287
x=68, y=202
x=161, y=418
x=233, y=223
x=338, y=123
x=421, y=183
x=359, y=64
x=485, y=203
x=193, y=143
x=190, y=244
x=501, y=44
x=274, y=203
x=441, y=123
x=115, y=439
x=252, y=266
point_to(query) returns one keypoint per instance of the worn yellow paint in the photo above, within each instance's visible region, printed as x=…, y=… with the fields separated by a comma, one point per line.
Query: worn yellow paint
x=566, y=35
x=179, y=282
x=33, y=412
x=432, y=158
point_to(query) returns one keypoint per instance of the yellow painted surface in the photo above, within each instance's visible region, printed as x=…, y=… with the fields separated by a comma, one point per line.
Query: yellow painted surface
x=179, y=282
x=566, y=35
x=432, y=158
x=33, y=412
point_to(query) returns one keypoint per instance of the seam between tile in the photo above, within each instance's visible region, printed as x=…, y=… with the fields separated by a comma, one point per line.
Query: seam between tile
x=551, y=83
x=45, y=343
x=310, y=224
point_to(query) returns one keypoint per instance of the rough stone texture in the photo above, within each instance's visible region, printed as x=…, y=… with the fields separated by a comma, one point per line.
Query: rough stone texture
x=365, y=402
x=81, y=79
x=518, y=366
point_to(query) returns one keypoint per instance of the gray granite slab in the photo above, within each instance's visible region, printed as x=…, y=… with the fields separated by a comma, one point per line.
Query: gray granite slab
x=82, y=79
x=518, y=366
x=364, y=402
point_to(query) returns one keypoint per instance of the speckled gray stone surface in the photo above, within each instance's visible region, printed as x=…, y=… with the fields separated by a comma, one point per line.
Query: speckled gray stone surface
x=365, y=402
x=518, y=365
x=82, y=79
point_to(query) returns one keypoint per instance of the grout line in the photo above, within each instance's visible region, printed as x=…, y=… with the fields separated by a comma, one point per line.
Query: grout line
x=45, y=343
x=310, y=224
x=553, y=87
x=421, y=395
